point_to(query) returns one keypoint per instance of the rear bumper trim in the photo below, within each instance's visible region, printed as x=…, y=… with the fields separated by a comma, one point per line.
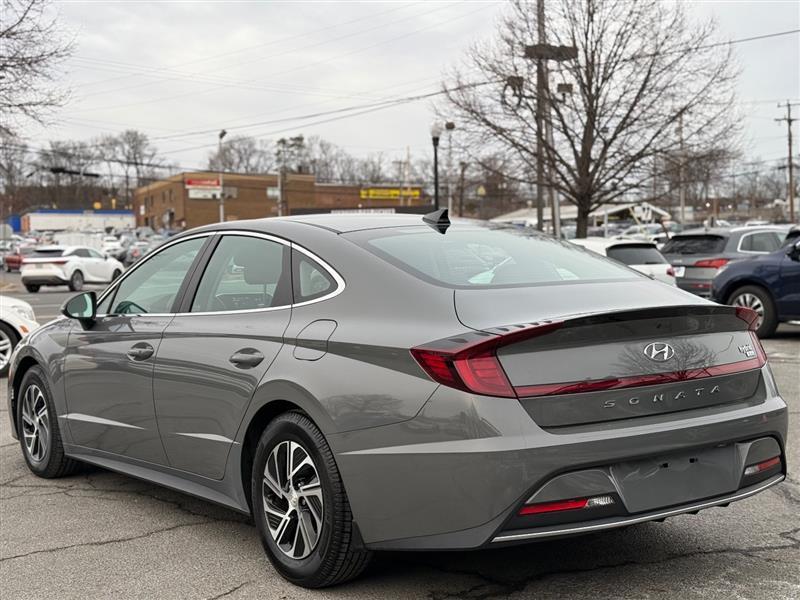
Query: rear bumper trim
x=650, y=516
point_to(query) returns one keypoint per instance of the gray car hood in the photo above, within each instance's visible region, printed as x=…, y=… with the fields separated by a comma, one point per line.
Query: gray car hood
x=487, y=308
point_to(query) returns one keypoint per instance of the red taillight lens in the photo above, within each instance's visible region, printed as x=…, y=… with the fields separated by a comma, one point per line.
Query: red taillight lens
x=670, y=271
x=765, y=465
x=712, y=263
x=562, y=505
x=470, y=362
x=544, y=507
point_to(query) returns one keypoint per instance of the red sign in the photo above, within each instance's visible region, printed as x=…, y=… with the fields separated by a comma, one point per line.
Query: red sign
x=201, y=183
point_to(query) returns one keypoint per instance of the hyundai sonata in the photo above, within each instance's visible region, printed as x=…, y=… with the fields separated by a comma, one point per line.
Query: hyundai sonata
x=374, y=382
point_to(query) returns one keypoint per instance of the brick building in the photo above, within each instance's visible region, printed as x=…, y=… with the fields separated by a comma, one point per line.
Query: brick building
x=189, y=200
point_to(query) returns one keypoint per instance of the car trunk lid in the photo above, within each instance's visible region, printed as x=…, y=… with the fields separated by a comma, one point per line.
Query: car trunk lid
x=623, y=359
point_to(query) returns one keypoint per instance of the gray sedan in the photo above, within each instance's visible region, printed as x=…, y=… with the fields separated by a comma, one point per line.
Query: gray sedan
x=364, y=383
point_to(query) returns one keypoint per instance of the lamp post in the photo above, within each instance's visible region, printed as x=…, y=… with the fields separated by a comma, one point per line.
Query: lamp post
x=222, y=134
x=436, y=133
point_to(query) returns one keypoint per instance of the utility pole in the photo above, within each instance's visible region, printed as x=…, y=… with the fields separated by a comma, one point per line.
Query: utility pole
x=463, y=165
x=542, y=52
x=788, y=118
x=221, y=176
x=681, y=188
x=541, y=84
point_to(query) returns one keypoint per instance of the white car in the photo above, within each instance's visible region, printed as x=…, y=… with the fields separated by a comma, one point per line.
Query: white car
x=640, y=255
x=68, y=265
x=16, y=321
x=110, y=245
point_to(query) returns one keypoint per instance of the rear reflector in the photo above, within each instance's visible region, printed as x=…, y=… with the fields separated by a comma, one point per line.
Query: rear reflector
x=562, y=505
x=712, y=263
x=763, y=466
x=470, y=362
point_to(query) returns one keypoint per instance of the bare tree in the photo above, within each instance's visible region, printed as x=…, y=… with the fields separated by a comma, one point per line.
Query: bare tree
x=640, y=67
x=31, y=47
x=243, y=154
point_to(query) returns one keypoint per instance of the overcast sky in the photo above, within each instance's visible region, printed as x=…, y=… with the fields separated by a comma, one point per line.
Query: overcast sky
x=169, y=68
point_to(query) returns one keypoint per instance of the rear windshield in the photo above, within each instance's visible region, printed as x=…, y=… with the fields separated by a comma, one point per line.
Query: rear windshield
x=48, y=253
x=694, y=244
x=478, y=257
x=630, y=254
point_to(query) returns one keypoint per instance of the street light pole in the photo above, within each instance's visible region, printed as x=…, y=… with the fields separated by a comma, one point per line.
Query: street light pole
x=449, y=126
x=221, y=179
x=436, y=133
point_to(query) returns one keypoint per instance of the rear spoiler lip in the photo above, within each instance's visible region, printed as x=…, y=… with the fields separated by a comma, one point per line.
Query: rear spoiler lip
x=624, y=314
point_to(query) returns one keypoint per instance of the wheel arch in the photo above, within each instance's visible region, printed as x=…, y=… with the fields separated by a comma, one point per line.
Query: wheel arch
x=735, y=285
x=23, y=366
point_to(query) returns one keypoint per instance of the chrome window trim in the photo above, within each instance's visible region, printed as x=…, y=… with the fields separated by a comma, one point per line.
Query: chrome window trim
x=340, y=284
x=331, y=271
x=751, y=233
x=124, y=276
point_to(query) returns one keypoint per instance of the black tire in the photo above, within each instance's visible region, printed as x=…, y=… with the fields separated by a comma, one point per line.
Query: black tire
x=338, y=554
x=53, y=463
x=32, y=288
x=769, y=322
x=115, y=275
x=9, y=333
x=76, y=281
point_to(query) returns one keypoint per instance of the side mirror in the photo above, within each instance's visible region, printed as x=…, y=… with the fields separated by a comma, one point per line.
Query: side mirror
x=794, y=250
x=82, y=307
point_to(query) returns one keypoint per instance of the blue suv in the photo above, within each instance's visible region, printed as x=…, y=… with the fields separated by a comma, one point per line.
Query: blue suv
x=769, y=284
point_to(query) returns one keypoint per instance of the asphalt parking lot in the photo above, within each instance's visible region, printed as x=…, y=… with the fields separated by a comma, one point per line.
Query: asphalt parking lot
x=102, y=535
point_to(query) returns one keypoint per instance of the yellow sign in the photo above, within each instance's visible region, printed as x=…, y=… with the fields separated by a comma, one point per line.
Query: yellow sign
x=388, y=193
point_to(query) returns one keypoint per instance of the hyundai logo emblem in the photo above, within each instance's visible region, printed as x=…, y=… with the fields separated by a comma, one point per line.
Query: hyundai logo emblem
x=659, y=351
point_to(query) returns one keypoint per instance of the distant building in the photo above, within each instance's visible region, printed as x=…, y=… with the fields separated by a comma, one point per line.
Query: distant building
x=47, y=219
x=189, y=200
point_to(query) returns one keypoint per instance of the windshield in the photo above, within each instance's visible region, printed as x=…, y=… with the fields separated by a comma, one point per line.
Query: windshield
x=487, y=257
x=694, y=244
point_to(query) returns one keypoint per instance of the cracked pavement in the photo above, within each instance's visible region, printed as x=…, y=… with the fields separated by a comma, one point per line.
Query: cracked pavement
x=102, y=535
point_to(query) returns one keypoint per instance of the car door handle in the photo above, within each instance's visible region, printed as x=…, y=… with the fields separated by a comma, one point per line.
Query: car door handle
x=141, y=351
x=246, y=358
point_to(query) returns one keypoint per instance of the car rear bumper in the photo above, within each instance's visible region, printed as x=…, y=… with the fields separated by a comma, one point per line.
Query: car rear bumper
x=699, y=287
x=624, y=521
x=44, y=280
x=456, y=476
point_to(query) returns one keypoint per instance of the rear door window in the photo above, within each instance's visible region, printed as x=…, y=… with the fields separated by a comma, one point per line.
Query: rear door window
x=630, y=254
x=244, y=273
x=763, y=241
x=695, y=244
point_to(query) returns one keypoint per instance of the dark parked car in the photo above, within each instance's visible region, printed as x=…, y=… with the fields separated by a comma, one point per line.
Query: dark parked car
x=768, y=284
x=376, y=382
x=698, y=254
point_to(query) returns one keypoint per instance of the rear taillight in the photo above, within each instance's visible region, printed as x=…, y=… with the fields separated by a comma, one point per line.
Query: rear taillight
x=562, y=505
x=712, y=263
x=470, y=362
x=670, y=271
x=54, y=261
x=765, y=465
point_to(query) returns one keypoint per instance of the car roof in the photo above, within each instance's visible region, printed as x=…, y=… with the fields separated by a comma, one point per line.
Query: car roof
x=602, y=243
x=347, y=222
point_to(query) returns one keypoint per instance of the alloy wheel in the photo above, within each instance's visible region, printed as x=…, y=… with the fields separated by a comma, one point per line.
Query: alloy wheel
x=35, y=423
x=753, y=302
x=6, y=347
x=292, y=495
